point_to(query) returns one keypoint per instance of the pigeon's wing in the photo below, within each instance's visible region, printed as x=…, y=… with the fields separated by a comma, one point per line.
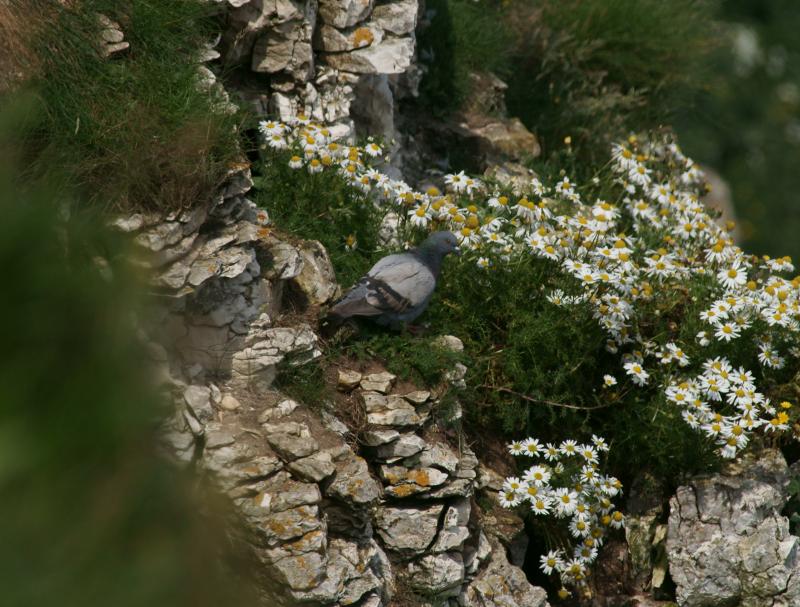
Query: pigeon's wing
x=394, y=285
x=400, y=283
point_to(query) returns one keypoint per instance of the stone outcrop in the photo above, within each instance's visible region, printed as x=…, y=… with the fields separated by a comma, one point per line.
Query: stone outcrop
x=728, y=543
x=332, y=526
x=334, y=515
x=315, y=54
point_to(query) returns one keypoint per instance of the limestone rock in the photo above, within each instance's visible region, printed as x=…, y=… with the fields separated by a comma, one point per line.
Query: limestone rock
x=456, y=376
x=334, y=424
x=283, y=493
x=344, y=13
x=257, y=364
x=408, y=531
x=333, y=40
x=418, y=397
x=476, y=552
x=315, y=467
x=219, y=435
x=316, y=280
x=437, y=574
x=405, y=482
x=507, y=137
x=374, y=106
x=111, y=36
x=281, y=410
x=198, y=400
x=159, y=236
x=392, y=56
x=398, y=17
x=375, y=438
x=437, y=455
x=727, y=542
x=405, y=446
x=348, y=379
x=237, y=463
x=360, y=569
x=500, y=583
x=459, y=487
x=454, y=530
x=353, y=483
x=450, y=342
x=291, y=441
x=284, y=262
x=302, y=572
x=378, y=382
x=285, y=47
x=391, y=410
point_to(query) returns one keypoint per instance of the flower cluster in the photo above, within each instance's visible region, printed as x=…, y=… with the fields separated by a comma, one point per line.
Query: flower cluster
x=721, y=384
x=565, y=482
x=652, y=235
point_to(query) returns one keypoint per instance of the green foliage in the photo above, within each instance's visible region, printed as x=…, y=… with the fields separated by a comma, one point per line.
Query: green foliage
x=99, y=517
x=133, y=130
x=536, y=369
x=792, y=507
x=418, y=359
x=304, y=382
x=463, y=36
x=746, y=123
x=596, y=69
x=320, y=207
x=589, y=69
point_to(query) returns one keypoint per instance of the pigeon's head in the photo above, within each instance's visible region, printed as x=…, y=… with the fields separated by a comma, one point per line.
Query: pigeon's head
x=440, y=244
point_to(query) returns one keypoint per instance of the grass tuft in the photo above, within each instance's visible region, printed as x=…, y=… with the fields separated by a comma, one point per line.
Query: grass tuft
x=132, y=131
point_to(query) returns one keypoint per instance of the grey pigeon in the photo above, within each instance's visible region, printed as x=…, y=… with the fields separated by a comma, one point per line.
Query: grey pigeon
x=398, y=288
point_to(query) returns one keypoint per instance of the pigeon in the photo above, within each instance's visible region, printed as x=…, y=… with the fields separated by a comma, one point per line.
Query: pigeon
x=398, y=288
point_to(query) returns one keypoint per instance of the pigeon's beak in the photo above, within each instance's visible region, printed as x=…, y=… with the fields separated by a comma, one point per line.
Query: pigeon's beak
x=457, y=251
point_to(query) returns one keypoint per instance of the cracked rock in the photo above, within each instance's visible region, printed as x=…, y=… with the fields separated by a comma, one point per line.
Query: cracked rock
x=727, y=542
x=316, y=280
x=398, y=17
x=437, y=574
x=378, y=382
x=353, y=483
x=344, y=13
x=315, y=467
x=408, y=531
x=348, y=379
x=392, y=56
x=391, y=410
x=405, y=446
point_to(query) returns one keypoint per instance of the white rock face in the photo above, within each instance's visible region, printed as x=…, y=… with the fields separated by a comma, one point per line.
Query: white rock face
x=256, y=365
x=328, y=38
x=441, y=574
x=727, y=542
x=397, y=17
x=344, y=13
x=286, y=47
x=320, y=517
x=502, y=584
x=317, y=279
x=391, y=410
x=392, y=56
x=408, y=530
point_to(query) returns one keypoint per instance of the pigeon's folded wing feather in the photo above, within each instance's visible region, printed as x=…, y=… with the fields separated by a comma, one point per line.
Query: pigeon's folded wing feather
x=399, y=282
x=394, y=285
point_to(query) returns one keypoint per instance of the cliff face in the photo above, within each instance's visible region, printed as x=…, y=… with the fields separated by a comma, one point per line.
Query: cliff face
x=373, y=512
x=369, y=498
